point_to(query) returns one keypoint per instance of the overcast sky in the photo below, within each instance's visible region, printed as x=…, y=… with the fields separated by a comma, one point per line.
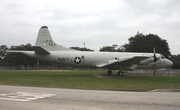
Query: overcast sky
x=98, y=23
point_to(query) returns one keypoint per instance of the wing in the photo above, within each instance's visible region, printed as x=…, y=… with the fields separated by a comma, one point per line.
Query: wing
x=125, y=63
x=14, y=51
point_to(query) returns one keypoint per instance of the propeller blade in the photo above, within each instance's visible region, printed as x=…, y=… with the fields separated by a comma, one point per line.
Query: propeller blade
x=155, y=58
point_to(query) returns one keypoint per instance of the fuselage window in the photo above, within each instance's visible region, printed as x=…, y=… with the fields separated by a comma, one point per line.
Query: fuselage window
x=162, y=57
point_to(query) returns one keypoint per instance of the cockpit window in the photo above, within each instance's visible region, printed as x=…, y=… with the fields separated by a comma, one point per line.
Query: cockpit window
x=162, y=57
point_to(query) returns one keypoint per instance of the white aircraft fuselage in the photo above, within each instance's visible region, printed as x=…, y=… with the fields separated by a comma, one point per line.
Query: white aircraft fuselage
x=82, y=59
x=46, y=49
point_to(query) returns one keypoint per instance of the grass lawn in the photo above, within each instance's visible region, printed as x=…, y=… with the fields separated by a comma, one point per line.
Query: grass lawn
x=87, y=79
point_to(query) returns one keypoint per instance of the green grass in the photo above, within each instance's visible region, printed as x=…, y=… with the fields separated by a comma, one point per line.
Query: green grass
x=87, y=79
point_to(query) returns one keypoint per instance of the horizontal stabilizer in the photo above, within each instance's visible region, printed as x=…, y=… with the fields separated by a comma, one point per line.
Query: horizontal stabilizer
x=14, y=51
x=40, y=50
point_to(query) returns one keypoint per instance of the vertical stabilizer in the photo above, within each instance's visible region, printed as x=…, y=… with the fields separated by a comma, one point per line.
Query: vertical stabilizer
x=45, y=41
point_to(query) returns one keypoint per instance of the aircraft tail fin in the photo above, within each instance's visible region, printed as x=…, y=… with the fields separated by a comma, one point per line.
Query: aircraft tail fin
x=45, y=41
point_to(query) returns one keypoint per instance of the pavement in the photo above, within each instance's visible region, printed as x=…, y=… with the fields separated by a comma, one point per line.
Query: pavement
x=35, y=98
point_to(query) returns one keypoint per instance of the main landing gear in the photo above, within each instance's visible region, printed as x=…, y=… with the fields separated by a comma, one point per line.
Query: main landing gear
x=109, y=72
x=119, y=73
x=155, y=73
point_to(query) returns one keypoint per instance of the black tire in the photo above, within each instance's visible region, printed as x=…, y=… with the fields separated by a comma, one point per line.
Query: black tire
x=155, y=73
x=109, y=72
x=120, y=73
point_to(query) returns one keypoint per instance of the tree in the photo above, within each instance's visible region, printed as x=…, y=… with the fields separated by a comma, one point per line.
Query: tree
x=19, y=59
x=107, y=49
x=176, y=61
x=3, y=48
x=113, y=48
x=146, y=43
x=81, y=48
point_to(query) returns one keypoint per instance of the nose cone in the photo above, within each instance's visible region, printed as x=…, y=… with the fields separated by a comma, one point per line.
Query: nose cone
x=169, y=63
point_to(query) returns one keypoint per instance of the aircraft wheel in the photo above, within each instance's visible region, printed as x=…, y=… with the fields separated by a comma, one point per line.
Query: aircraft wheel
x=155, y=73
x=109, y=72
x=120, y=73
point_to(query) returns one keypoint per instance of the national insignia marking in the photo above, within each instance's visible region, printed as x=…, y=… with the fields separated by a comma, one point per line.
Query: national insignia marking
x=77, y=60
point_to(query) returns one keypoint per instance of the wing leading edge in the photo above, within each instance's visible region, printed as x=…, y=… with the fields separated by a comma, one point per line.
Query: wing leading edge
x=128, y=62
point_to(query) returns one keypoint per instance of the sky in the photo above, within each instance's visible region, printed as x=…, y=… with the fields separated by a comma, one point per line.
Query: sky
x=96, y=23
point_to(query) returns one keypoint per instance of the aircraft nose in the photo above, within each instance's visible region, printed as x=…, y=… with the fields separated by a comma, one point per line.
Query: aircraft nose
x=169, y=63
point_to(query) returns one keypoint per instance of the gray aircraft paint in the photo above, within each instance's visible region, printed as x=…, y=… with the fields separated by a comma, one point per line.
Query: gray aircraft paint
x=45, y=40
x=46, y=49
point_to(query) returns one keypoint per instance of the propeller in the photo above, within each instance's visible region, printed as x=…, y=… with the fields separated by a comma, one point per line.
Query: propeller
x=155, y=59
